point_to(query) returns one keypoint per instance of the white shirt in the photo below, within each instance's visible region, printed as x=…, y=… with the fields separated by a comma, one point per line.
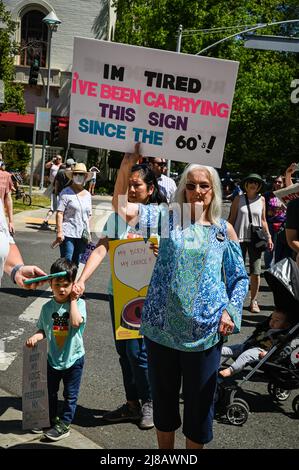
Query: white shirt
x=5, y=240
x=167, y=186
x=53, y=172
x=76, y=212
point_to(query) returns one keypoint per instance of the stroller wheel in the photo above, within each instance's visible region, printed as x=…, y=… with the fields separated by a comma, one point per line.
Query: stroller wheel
x=237, y=413
x=295, y=406
x=278, y=393
x=242, y=402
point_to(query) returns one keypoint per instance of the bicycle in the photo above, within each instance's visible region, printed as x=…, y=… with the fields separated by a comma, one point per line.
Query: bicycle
x=19, y=192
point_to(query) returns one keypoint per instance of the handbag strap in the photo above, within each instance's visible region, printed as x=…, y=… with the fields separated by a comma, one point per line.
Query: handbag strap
x=82, y=213
x=248, y=208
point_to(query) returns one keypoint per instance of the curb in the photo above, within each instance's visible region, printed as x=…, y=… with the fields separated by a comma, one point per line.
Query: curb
x=13, y=437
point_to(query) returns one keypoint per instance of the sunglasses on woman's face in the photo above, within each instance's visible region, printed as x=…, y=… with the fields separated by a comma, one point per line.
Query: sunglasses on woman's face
x=160, y=164
x=203, y=186
x=252, y=182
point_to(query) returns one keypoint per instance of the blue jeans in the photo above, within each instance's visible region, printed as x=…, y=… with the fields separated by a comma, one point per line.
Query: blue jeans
x=72, y=248
x=133, y=363
x=71, y=378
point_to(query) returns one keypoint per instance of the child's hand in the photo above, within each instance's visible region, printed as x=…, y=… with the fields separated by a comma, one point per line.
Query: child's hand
x=155, y=248
x=78, y=288
x=262, y=354
x=31, y=342
x=74, y=295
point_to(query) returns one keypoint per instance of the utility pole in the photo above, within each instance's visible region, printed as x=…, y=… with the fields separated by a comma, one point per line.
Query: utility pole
x=178, y=49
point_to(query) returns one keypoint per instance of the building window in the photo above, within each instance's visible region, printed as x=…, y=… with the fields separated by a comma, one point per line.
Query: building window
x=34, y=36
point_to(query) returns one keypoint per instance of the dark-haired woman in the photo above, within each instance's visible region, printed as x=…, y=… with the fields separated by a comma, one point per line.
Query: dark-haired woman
x=143, y=189
x=239, y=218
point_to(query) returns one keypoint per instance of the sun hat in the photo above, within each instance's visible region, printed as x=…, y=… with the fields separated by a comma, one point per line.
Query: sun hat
x=254, y=177
x=79, y=168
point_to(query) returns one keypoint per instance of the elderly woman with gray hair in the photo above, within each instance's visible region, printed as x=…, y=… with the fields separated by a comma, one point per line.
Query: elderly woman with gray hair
x=191, y=305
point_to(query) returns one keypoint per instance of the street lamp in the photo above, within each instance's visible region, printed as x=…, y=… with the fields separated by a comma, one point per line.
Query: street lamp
x=260, y=26
x=52, y=21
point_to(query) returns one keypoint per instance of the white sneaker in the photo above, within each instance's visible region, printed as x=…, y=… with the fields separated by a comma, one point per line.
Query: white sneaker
x=146, y=421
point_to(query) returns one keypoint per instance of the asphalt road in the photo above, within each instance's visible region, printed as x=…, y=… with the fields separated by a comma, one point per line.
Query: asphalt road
x=270, y=425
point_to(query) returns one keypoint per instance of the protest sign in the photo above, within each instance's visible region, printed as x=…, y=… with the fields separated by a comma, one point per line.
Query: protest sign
x=288, y=194
x=35, y=392
x=132, y=263
x=177, y=105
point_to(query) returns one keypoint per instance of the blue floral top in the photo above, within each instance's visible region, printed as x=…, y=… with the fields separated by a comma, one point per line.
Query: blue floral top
x=188, y=292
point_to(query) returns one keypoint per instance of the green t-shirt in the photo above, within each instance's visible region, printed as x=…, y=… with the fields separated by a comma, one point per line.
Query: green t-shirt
x=65, y=343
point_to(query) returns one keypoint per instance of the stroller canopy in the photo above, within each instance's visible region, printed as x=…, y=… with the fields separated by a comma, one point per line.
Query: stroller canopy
x=283, y=280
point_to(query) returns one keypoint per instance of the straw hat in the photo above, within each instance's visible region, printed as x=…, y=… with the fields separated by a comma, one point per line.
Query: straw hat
x=79, y=168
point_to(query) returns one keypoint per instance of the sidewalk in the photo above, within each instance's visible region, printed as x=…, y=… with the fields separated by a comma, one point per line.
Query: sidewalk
x=12, y=435
x=30, y=220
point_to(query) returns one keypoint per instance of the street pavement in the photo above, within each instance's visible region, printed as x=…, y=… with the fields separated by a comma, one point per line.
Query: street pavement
x=270, y=425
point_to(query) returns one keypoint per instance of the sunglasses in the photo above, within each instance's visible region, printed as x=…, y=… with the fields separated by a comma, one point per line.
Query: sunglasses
x=161, y=164
x=192, y=186
x=252, y=182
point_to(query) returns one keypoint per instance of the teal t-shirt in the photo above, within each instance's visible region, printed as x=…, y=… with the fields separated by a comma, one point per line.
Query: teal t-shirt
x=65, y=343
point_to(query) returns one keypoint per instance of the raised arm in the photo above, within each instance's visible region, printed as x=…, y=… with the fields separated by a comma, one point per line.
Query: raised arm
x=93, y=262
x=128, y=211
x=288, y=174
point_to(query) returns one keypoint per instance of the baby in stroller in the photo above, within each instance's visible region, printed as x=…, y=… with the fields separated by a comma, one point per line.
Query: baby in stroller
x=264, y=337
x=274, y=346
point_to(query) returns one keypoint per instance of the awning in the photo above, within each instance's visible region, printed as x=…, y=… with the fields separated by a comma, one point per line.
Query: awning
x=17, y=119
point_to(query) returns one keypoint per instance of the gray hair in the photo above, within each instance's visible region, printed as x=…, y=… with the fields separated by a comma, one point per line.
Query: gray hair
x=214, y=212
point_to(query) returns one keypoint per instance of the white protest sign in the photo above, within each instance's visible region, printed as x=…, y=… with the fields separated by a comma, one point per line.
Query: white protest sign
x=288, y=194
x=134, y=263
x=177, y=105
x=35, y=392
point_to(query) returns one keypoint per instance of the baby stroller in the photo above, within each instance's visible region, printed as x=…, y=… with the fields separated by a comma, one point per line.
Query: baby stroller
x=281, y=364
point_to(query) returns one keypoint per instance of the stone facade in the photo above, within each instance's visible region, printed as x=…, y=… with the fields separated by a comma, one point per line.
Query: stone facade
x=86, y=18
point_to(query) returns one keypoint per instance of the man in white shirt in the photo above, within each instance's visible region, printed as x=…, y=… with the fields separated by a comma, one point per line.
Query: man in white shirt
x=166, y=185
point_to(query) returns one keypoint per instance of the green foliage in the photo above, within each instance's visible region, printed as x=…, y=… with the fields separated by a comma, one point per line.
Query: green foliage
x=16, y=155
x=264, y=132
x=14, y=93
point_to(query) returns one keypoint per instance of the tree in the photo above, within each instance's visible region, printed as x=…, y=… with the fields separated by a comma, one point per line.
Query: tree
x=264, y=132
x=14, y=93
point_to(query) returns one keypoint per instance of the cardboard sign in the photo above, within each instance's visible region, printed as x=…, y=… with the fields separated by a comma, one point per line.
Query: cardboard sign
x=288, y=194
x=35, y=392
x=132, y=263
x=177, y=105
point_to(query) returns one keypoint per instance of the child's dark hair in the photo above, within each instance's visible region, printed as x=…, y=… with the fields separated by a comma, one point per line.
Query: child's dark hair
x=289, y=315
x=62, y=264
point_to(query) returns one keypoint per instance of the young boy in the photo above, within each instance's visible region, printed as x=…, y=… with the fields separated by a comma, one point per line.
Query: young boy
x=256, y=346
x=62, y=321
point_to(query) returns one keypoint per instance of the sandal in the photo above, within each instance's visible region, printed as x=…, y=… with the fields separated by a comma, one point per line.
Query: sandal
x=254, y=307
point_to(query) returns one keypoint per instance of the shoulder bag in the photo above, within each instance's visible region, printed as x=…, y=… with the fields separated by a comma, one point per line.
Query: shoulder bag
x=259, y=238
